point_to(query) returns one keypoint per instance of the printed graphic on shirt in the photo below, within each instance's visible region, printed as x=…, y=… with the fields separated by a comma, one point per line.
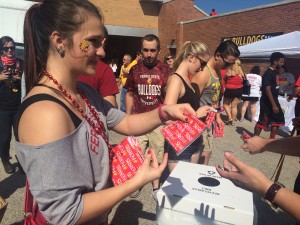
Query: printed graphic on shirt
x=282, y=80
x=216, y=87
x=149, y=89
x=94, y=138
x=148, y=86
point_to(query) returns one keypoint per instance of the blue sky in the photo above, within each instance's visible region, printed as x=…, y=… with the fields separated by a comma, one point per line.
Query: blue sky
x=223, y=6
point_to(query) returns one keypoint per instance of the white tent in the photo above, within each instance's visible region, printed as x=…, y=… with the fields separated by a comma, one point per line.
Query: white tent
x=288, y=44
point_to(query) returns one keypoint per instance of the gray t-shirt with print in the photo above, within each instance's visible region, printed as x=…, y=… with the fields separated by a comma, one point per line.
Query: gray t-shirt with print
x=60, y=172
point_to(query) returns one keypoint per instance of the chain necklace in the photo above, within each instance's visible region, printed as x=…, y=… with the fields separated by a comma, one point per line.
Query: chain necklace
x=97, y=127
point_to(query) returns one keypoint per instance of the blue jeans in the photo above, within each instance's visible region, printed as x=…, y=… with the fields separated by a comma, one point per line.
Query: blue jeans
x=122, y=100
x=6, y=123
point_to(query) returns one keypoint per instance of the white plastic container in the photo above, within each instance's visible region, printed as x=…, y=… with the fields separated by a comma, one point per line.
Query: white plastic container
x=197, y=194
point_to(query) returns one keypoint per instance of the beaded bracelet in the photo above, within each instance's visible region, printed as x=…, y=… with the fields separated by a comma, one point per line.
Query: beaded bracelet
x=161, y=115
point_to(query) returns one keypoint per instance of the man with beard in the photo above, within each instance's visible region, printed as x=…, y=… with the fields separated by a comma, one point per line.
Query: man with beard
x=146, y=84
x=270, y=110
x=209, y=81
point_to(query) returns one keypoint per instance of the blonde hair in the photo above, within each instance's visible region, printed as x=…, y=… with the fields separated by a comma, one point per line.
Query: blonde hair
x=190, y=47
x=237, y=67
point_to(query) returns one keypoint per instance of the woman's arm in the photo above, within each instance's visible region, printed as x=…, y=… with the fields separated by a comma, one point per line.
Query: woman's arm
x=287, y=146
x=97, y=203
x=254, y=180
x=142, y=123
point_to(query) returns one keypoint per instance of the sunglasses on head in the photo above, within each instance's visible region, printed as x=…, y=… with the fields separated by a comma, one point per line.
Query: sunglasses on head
x=227, y=64
x=7, y=48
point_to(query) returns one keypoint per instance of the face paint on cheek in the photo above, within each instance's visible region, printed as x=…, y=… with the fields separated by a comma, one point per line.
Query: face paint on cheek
x=84, y=45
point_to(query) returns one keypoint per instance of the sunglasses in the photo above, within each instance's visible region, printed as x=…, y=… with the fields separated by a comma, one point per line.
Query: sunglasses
x=203, y=63
x=168, y=58
x=12, y=48
x=227, y=64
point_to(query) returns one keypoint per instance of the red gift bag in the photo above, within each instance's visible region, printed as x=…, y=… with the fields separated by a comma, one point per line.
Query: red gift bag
x=126, y=159
x=181, y=134
x=218, y=131
x=210, y=118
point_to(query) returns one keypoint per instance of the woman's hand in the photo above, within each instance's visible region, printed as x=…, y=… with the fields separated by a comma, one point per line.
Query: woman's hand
x=203, y=111
x=243, y=175
x=178, y=111
x=150, y=169
x=254, y=144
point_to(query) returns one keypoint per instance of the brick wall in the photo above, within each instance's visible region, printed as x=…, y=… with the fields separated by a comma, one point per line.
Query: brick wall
x=282, y=18
x=132, y=13
x=169, y=31
x=279, y=18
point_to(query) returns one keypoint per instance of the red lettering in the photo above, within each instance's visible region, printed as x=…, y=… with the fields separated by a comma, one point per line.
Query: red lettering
x=95, y=141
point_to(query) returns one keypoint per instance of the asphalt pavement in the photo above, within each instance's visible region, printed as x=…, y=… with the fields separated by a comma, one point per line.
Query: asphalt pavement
x=142, y=210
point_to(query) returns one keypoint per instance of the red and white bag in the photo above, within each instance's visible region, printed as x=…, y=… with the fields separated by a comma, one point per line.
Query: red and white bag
x=126, y=159
x=181, y=134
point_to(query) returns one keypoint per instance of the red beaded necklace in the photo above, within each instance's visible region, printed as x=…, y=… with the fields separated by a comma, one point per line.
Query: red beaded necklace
x=99, y=126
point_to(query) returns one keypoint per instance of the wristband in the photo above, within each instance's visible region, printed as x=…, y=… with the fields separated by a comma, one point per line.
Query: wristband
x=271, y=193
x=161, y=115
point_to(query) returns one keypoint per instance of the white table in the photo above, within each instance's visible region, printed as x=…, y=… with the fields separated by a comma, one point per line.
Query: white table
x=288, y=109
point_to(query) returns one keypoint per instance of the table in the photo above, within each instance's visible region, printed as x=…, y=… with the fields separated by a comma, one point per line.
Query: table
x=288, y=109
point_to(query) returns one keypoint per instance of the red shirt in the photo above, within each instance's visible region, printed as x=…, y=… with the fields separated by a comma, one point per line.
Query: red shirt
x=148, y=85
x=233, y=82
x=104, y=81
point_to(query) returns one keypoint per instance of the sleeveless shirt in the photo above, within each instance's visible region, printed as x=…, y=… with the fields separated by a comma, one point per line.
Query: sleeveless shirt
x=190, y=96
x=211, y=93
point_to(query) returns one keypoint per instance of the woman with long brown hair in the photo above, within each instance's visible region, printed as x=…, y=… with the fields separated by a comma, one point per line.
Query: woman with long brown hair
x=61, y=129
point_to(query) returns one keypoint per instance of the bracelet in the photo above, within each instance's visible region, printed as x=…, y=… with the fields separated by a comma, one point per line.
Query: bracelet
x=271, y=193
x=161, y=115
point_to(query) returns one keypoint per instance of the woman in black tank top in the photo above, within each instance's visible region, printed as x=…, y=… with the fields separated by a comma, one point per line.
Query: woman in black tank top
x=191, y=59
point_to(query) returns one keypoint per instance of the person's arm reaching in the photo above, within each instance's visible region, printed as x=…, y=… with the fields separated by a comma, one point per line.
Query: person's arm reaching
x=252, y=179
x=97, y=203
x=131, y=124
x=287, y=146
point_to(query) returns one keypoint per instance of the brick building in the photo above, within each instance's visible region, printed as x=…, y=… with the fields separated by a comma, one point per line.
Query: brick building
x=276, y=18
x=176, y=21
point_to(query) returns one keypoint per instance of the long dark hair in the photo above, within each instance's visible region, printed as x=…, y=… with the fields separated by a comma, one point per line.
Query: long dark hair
x=63, y=16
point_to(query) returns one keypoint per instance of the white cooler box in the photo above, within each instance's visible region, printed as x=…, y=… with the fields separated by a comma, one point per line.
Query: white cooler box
x=196, y=194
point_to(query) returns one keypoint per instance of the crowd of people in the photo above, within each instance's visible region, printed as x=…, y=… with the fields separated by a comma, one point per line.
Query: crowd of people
x=61, y=126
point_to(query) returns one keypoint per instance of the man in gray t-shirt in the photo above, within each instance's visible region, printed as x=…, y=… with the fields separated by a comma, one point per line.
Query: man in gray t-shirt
x=286, y=81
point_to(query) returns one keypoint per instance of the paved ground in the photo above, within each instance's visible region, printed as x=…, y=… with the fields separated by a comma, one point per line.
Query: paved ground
x=142, y=209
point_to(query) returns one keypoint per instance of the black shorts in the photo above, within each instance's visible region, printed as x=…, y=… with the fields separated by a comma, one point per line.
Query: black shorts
x=233, y=93
x=250, y=99
x=267, y=117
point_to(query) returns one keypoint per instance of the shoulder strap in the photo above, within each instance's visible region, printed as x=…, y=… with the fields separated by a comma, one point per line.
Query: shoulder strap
x=42, y=97
x=180, y=77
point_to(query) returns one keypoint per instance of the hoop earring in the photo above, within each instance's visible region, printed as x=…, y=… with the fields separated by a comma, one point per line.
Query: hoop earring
x=60, y=52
